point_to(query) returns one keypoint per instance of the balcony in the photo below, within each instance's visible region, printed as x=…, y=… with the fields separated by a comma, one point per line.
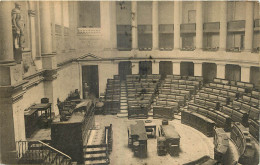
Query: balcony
x=145, y=38
x=188, y=28
x=236, y=26
x=257, y=25
x=124, y=37
x=166, y=37
x=211, y=27
x=211, y=49
x=234, y=49
x=166, y=28
x=188, y=48
x=145, y=29
x=89, y=31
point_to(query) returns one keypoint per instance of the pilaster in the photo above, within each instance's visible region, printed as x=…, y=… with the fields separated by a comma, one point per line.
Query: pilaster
x=197, y=69
x=176, y=66
x=221, y=71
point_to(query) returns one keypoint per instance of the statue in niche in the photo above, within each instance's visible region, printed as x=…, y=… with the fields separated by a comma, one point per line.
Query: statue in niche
x=18, y=27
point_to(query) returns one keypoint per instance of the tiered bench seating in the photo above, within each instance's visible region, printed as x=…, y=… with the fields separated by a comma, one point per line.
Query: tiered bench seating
x=112, y=96
x=242, y=140
x=207, y=103
x=222, y=92
x=236, y=115
x=253, y=112
x=173, y=93
x=140, y=94
x=215, y=96
x=221, y=120
x=198, y=121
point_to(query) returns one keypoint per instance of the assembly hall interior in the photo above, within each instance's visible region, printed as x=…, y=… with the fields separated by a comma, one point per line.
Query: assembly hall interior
x=129, y=82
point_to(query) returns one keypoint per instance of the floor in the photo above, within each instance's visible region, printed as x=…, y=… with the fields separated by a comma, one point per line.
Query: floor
x=193, y=144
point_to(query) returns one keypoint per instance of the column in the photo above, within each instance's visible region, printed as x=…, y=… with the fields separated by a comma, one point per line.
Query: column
x=135, y=67
x=197, y=69
x=176, y=66
x=221, y=71
x=7, y=135
x=75, y=21
x=6, y=41
x=31, y=14
x=176, y=34
x=155, y=67
x=48, y=59
x=249, y=27
x=53, y=27
x=45, y=25
x=108, y=24
x=199, y=25
x=223, y=26
x=155, y=26
x=62, y=28
x=245, y=73
x=113, y=33
x=134, y=25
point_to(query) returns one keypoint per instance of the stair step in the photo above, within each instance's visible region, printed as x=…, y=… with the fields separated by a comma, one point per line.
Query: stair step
x=97, y=156
x=124, y=107
x=96, y=162
x=95, y=150
x=122, y=115
x=124, y=111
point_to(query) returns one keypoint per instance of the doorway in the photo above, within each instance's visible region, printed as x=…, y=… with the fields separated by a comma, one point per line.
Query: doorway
x=233, y=72
x=90, y=76
x=187, y=69
x=145, y=67
x=124, y=68
x=165, y=68
x=209, y=72
x=255, y=76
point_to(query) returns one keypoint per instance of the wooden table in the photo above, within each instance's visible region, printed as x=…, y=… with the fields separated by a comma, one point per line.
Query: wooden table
x=137, y=133
x=45, y=118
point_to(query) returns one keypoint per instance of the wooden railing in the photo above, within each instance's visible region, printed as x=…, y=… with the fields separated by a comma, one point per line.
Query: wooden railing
x=188, y=28
x=238, y=25
x=144, y=28
x=166, y=28
x=212, y=27
x=40, y=152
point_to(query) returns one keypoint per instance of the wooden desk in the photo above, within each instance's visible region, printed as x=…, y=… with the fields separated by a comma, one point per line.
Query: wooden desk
x=46, y=107
x=137, y=133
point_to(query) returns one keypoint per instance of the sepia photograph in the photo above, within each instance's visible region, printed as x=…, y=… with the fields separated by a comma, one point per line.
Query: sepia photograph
x=145, y=82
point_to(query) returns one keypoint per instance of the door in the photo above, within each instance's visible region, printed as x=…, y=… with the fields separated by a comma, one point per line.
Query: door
x=233, y=72
x=90, y=76
x=187, y=69
x=209, y=72
x=145, y=67
x=124, y=68
x=165, y=68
